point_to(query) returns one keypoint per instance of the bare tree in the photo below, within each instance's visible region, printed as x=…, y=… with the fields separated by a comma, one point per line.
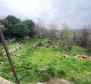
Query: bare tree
x=89, y=40
x=53, y=33
x=83, y=37
x=41, y=30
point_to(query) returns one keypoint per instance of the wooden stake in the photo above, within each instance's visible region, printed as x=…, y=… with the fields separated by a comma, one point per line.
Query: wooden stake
x=8, y=55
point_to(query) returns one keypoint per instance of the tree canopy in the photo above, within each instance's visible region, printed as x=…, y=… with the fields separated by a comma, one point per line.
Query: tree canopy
x=31, y=26
x=21, y=29
x=14, y=27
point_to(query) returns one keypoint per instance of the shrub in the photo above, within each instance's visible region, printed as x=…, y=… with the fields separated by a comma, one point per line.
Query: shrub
x=60, y=73
x=66, y=38
x=43, y=74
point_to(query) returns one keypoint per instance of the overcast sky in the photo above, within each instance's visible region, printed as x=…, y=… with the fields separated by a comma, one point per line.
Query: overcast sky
x=75, y=13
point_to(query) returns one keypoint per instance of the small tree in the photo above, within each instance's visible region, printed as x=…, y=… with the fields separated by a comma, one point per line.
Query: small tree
x=9, y=23
x=66, y=38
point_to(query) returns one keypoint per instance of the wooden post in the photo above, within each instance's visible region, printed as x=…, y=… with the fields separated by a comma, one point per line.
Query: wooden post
x=8, y=55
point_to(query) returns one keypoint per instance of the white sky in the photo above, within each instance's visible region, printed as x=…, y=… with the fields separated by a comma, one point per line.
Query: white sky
x=75, y=13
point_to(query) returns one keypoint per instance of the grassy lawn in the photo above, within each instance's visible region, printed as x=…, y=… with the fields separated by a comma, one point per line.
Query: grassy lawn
x=41, y=64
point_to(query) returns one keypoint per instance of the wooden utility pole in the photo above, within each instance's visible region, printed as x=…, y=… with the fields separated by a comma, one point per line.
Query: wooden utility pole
x=8, y=55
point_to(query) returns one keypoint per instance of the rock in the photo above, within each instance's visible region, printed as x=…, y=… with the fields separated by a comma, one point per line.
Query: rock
x=81, y=57
x=18, y=47
x=40, y=45
x=40, y=83
x=1, y=62
x=4, y=81
x=65, y=55
x=47, y=46
x=34, y=46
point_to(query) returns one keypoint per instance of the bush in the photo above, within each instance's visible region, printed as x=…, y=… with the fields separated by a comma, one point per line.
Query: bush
x=43, y=74
x=66, y=39
x=60, y=73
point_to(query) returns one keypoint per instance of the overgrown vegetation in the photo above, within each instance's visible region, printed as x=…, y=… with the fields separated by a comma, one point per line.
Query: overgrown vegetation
x=40, y=64
x=46, y=54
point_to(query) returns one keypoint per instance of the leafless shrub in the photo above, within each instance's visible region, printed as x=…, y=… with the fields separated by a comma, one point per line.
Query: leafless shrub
x=41, y=30
x=53, y=33
x=89, y=40
x=83, y=37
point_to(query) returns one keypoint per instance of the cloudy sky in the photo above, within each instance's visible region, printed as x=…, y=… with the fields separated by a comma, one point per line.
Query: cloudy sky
x=75, y=13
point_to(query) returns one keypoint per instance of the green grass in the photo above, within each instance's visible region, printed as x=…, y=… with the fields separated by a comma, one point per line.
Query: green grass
x=41, y=64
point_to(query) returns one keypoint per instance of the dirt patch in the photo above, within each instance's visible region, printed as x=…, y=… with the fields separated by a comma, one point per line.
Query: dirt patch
x=59, y=81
